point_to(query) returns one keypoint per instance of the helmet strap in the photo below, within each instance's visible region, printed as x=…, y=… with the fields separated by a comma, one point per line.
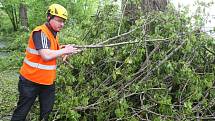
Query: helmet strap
x=51, y=16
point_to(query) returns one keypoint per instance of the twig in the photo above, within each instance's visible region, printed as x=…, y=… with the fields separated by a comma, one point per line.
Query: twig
x=94, y=104
x=95, y=21
x=137, y=114
x=152, y=112
x=158, y=114
x=124, y=34
x=184, y=87
x=209, y=50
x=138, y=93
x=70, y=65
x=145, y=64
x=5, y=50
x=118, y=36
x=122, y=16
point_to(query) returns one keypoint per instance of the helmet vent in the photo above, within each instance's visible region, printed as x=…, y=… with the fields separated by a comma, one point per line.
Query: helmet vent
x=56, y=11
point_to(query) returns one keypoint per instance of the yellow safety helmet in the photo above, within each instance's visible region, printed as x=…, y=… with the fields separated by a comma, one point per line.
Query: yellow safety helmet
x=58, y=10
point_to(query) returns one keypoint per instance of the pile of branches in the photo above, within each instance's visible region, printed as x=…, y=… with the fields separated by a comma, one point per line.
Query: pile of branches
x=157, y=69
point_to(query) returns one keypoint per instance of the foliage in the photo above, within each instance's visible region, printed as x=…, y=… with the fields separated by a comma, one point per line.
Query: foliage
x=8, y=94
x=5, y=24
x=11, y=7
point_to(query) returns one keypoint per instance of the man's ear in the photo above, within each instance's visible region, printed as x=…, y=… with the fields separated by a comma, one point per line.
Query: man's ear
x=48, y=18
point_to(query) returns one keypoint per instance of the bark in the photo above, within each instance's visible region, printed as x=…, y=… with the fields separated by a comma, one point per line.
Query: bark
x=133, y=8
x=12, y=13
x=150, y=5
x=23, y=15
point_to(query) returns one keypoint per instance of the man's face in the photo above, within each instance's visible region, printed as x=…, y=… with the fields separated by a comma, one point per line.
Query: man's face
x=57, y=23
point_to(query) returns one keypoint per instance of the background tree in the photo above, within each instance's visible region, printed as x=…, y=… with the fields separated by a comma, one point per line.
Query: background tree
x=149, y=5
x=23, y=15
x=11, y=7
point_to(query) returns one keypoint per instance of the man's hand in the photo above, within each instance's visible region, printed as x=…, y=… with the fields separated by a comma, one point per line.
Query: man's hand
x=64, y=57
x=70, y=49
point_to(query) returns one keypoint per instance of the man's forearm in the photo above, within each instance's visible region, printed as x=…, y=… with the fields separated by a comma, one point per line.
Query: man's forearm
x=48, y=54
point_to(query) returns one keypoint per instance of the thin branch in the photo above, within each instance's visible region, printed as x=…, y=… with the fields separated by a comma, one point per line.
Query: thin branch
x=180, y=97
x=137, y=114
x=152, y=112
x=94, y=104
x=138, y=93
x=209, y=50
x=115, y=44
x=158, y=114
x=124, y=34
x=122, y=16
x=102, y=46
x=5, y=50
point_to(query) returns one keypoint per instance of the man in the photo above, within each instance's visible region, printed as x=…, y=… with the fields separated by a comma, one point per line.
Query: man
x=38, y=71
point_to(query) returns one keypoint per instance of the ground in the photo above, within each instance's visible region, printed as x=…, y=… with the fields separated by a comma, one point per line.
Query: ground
x=8, y=93
x=8, y=87
x=9, y=78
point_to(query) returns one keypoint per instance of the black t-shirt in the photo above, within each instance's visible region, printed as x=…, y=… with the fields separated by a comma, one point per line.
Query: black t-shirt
x=40, y=39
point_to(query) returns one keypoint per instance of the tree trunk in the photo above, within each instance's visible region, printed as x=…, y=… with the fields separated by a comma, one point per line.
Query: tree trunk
x=13, y=16
x=133, y=7
x=23, y=15
x=130, y=9
x=12, y=13
x=149, y=5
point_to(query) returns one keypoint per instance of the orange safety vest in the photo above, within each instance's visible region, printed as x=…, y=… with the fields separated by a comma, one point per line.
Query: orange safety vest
x=34, y=68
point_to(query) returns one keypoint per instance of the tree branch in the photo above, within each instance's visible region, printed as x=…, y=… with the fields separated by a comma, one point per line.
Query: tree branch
x=102, y=46
x=115, y=44
x=209, y=50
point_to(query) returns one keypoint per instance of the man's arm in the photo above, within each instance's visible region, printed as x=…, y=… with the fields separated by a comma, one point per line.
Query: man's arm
x=42, y=44
x=48, y=54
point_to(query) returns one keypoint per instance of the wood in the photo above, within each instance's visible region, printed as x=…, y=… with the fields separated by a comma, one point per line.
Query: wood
x=23, y=15
x=132, y=8
x=150, y=5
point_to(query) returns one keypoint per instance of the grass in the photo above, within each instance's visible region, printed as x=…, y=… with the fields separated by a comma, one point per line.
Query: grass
x=9, y=77
x=8, y=93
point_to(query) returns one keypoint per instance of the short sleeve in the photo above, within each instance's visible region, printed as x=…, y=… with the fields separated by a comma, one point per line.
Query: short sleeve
x=40, y=40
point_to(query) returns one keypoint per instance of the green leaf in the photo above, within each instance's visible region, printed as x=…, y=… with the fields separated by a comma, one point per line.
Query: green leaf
x=85, y=101
x=119, y=113
x=128, y=60
x=114, y=75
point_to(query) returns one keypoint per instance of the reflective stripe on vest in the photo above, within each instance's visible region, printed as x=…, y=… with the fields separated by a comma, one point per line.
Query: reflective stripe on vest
x=40, y=66
x=32, y=51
